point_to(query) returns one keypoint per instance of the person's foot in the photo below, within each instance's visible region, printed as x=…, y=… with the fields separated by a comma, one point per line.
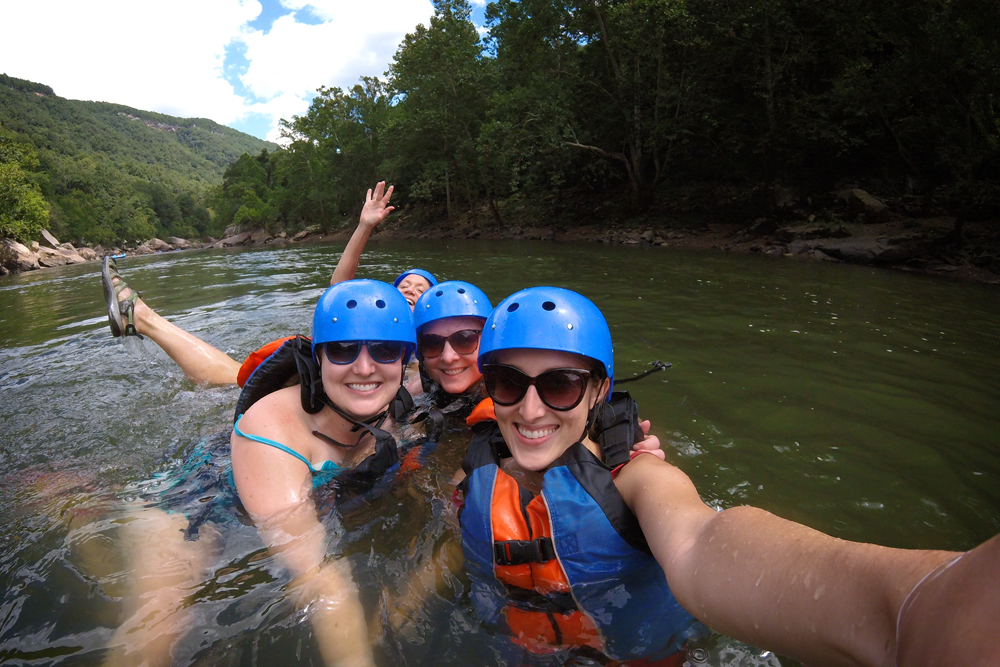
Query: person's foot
x=121, y=301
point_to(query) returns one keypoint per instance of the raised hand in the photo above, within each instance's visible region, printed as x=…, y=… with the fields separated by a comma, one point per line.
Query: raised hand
x=377, y=207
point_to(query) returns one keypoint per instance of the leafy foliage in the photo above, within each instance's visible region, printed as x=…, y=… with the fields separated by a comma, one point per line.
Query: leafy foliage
x=23, y=210
x=111, y=173
x=563, y=103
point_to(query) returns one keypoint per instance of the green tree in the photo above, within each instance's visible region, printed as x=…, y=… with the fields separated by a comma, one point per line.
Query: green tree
x=441, y=83
x=23, y=210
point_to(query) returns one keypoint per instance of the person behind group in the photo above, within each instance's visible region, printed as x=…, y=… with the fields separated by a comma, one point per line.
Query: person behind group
x=412, y=282
x=203, y=363
x=449, y=320
x=626, y=563
x=330, y=432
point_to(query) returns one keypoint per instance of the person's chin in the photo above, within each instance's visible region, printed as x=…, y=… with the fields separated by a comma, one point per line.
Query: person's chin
x=365, y=404
x=456, y=384
x=534, y=461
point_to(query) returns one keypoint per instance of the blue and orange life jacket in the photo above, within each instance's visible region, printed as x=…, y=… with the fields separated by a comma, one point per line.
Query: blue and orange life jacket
x=569, y=568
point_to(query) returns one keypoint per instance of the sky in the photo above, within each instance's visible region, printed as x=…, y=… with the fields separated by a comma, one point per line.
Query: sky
x=242, y=63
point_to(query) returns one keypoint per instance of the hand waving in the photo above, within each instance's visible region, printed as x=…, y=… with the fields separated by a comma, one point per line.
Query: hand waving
x=377, y=206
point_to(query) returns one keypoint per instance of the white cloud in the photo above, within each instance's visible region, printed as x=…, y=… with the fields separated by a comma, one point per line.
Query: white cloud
x=169, y=57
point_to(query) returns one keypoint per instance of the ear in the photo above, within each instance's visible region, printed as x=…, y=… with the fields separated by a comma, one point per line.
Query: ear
x=602, y=393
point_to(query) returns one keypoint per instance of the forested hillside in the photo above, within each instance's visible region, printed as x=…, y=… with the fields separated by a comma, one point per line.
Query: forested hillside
x=595, y=110
x=109, y=173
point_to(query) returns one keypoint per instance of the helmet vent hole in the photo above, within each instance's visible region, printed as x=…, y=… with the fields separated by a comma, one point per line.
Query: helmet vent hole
x=380, y=304
x=548, y=305
x=512, y=307
x=461, y=290
x=439, y=293
x=352, y=304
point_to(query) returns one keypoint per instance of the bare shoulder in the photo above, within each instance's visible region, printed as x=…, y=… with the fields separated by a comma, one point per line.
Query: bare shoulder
x=647, y=476
x=666, y=503
x=278, y=413
x=268, y=479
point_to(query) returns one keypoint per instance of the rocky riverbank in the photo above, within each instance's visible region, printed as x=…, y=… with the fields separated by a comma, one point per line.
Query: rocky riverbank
x=856, y=228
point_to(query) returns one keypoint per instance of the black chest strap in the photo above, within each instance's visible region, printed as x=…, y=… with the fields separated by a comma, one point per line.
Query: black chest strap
x=523, y=552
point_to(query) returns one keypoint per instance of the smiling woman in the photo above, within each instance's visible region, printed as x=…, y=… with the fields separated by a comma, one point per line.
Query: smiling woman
x=572, y=557
x=289, y=442
x=449, y=320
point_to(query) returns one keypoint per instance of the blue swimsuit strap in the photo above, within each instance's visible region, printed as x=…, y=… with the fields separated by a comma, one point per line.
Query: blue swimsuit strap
x=328, y=466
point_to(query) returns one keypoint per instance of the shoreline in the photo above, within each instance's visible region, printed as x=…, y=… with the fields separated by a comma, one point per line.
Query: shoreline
x=915, y=245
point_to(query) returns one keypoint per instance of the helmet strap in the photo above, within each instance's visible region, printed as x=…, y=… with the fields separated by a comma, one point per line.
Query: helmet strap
x=371, y=425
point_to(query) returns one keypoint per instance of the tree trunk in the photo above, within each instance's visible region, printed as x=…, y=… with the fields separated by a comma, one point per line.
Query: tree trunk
x=468, y=193
x=772, y=121
x=496, y=212
x=447, y=195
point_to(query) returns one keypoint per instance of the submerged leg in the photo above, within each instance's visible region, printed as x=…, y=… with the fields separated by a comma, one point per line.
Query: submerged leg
x=166, y=570
x=201, y=362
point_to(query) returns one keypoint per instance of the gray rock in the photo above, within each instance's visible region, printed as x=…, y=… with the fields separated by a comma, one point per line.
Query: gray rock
x=34, y=246
x=72, y=256
x=66, y=246
x=260, y=236
x=647, y=236
x=301, y=235
x=48, y=240
x=776, y=250
x=864, y=250
x=16, y=257
x=231, y=241
x=49, y=258
x=158, y=245
x=232, y=230
x=143, y=249
x=178, y=242
x=859, y=200
x=801, y=247
x=4, y=271
x=88, y=254
x=807, y=232
x=820, y=255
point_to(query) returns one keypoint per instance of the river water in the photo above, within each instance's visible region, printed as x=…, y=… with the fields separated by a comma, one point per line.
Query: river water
x=863, y=403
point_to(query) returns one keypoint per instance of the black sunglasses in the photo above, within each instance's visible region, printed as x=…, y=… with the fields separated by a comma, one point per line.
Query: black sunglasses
x=464, y=342
x=381, y=351
x=560, y=388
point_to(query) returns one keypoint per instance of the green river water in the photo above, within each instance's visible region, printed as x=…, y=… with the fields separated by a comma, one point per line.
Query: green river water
x=861, y=402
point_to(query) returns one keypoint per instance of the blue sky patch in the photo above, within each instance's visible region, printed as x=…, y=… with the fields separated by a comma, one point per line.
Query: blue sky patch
x=271, y=12
x=235, y=65
x=306, y=16
x=256, y=124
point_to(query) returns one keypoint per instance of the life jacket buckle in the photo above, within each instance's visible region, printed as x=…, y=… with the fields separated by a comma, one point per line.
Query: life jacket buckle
x=522, y=552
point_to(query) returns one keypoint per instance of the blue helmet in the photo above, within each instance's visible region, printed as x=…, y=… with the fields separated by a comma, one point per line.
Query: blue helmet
x=426, y=275
x=369, y=310
x=549, y=318
x=453, y=298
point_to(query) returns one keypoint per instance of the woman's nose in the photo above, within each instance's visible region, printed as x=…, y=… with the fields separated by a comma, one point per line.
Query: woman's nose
x=364, y=364
x=532, y=406
x=448, y=354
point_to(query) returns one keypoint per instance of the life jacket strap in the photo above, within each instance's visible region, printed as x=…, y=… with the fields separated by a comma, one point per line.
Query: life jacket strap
x=522, y=552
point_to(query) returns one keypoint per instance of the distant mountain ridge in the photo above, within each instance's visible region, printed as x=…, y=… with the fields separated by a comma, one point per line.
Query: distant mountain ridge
x=112, y=172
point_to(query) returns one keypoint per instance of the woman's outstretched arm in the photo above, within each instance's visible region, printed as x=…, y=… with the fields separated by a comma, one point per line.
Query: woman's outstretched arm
x=275, y=488
x=772, y=582
x=375, y=211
